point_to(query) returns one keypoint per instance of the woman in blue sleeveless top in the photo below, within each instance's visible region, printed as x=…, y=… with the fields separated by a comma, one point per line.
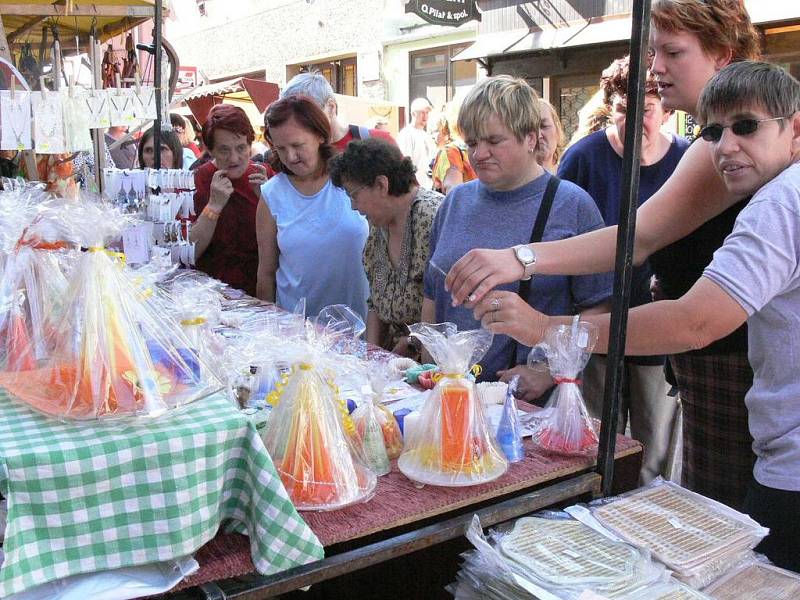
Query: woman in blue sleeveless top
x=310, y=240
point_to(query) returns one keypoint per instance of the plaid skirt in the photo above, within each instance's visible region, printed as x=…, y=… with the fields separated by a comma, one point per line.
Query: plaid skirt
x=718, y=453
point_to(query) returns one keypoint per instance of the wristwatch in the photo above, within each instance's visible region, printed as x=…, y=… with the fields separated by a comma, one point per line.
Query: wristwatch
x=527, y=258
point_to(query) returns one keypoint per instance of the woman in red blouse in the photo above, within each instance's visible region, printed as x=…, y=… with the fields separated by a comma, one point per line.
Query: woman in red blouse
x=225, y=200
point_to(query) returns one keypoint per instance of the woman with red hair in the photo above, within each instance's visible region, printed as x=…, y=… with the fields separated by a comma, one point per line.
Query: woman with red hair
x=310, y=240
x=225, y=200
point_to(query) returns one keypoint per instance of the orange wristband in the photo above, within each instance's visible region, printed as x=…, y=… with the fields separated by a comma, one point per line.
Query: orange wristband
x=210, y=213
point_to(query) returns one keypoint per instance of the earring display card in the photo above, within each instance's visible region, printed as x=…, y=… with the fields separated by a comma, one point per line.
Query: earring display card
x=144, y=103
x=15, y=122
x=121, y=105
x=48, y=122
x=76, y=121
x=98, y=107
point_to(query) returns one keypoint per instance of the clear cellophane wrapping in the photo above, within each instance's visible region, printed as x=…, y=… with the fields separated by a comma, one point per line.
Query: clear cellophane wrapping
x=110, y=354
x=310, y=434
x=566, y=427
x=454, y=445
x=377, y=431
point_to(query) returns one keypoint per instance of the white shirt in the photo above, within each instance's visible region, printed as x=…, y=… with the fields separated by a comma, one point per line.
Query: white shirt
x=420, y=148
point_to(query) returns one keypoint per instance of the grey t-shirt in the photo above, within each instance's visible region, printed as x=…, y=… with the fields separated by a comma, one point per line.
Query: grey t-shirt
x=474, y=216
x=759, y=266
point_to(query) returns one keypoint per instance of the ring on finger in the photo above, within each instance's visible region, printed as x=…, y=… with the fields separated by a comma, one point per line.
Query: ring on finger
x=495, y=304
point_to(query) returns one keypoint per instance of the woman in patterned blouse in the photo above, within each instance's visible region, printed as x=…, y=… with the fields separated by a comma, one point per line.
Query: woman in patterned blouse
x=382, y=186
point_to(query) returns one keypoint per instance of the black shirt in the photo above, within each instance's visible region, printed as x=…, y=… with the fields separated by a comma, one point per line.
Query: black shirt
x=677, y=268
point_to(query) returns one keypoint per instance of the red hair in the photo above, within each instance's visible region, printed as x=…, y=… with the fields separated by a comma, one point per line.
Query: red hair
x=230, y=118
x=308, y=115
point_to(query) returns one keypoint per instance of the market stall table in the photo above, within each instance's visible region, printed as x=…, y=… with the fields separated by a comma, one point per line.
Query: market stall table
x=402, y=518
x=85, y=497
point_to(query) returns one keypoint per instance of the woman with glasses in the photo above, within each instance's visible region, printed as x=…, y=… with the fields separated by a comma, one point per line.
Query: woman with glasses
x=382, y=186
x=225, y=200
x=310, y=240
x=679, y=228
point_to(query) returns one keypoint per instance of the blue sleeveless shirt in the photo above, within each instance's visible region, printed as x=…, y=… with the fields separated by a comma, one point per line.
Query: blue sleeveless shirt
x=321, y=242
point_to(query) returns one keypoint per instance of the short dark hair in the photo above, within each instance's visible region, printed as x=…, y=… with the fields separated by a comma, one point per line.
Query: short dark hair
x=230, y=118
x=748, y=84
x=364, y=160
x=171, y=140
x=614, y=80
x=308, y=115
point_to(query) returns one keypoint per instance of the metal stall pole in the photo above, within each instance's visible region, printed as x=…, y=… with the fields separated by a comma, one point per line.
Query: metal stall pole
x=157, y=85
x=623, y=268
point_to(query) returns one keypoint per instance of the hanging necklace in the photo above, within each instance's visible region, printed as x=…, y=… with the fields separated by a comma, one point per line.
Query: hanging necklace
x=16, y=114
x=47, y=117
x=96, y=106
x=119, y=112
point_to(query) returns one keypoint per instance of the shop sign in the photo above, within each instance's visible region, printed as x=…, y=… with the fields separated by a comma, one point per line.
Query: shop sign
x=444, y=12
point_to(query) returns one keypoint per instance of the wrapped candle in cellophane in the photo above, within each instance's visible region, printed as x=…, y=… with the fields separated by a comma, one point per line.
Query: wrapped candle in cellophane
x=310, y=433
x=454, y=445
x=566, y=427
x=197, y=310
x=377, y=431
x=111, y=353
x=32, y=283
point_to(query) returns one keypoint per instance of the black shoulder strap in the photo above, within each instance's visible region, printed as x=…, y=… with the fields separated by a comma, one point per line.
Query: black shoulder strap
x=536, y=236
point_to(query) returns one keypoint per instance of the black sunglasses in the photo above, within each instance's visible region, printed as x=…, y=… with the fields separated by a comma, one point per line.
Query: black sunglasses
x=713, y=132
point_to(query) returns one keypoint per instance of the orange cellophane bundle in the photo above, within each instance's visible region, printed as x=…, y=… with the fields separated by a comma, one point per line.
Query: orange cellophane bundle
x=307, y=438
x=454, y=445
x=32, y=288
x=110, y=353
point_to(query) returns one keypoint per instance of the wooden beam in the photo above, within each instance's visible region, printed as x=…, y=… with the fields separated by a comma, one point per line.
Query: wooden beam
x=82, y=10
x=24, y=29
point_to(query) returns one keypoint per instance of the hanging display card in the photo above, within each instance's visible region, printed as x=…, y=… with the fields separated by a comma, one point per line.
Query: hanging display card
x=99, y=112
x=76, y=121
x=16, y=120
x=48, y=122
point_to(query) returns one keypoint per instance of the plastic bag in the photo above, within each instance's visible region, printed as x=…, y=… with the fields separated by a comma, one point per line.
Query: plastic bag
x=377, y=431
x=698, y=538
x=112, y=354
x=566, y=427
x=453, y=446
x=310, y=433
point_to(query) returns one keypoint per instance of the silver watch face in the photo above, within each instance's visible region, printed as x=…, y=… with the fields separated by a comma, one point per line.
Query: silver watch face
x=525, y=255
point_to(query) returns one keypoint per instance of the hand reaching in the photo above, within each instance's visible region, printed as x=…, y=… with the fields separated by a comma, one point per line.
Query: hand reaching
x=478, y=272
x=507, y=314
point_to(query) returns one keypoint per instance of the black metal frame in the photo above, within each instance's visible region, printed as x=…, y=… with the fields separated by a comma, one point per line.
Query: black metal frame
x=157, y=19
x=625, y=241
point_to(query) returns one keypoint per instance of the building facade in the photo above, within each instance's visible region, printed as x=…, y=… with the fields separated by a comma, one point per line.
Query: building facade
x=366, y=48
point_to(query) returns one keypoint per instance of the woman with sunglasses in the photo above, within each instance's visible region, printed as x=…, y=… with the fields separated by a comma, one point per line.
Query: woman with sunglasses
x=679, y=228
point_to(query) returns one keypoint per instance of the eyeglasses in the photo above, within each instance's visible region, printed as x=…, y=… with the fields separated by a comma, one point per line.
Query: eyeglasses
x=713, y=133
x=352, y=193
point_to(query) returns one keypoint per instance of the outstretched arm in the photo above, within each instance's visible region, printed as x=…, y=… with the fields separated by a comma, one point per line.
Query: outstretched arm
x=690, y=197
x=703, y=315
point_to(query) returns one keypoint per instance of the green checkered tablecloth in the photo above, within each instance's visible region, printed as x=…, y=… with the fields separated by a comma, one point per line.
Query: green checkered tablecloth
x=85, y=498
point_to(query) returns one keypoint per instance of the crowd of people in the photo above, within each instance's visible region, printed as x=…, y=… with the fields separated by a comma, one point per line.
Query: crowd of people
x=481, y=215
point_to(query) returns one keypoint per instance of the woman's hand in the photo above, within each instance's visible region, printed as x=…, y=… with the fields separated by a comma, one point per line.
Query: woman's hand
x=507, y=314
x=404, y=348
x=478, y=272
x=532, y=383
x=221, y=190
x=258, y=178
